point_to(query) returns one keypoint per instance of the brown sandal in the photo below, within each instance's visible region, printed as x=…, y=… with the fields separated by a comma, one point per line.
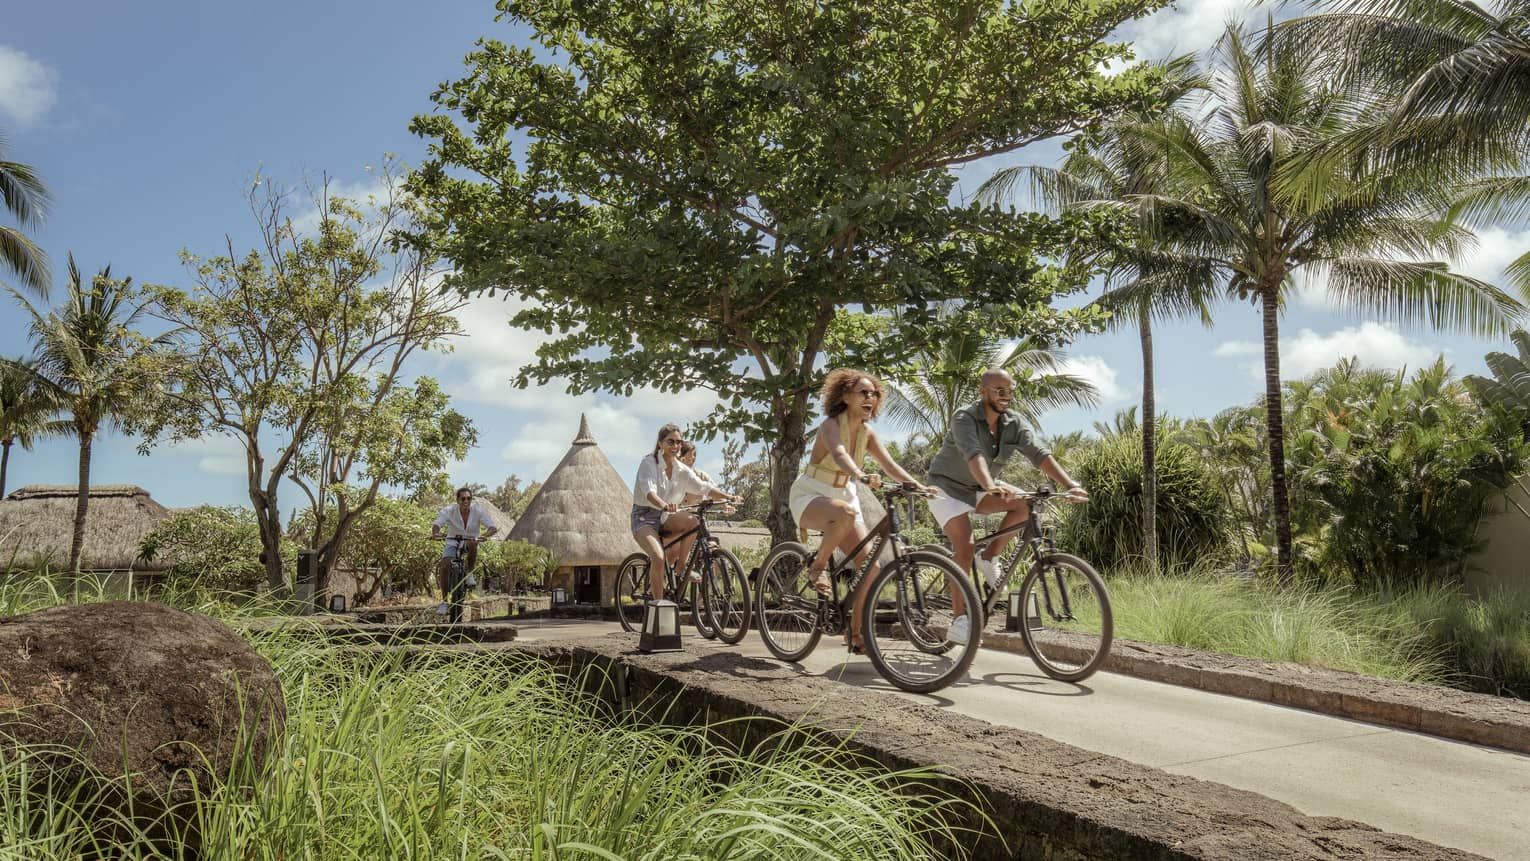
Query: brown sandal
x=819, y=579
x=855, y=645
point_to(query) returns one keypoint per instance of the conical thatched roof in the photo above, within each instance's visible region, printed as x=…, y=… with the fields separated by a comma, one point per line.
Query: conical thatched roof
x=37, y=523
x=581, y=513
x=502, y=521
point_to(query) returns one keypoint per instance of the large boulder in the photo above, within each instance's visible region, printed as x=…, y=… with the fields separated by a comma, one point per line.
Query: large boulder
x=174, y=698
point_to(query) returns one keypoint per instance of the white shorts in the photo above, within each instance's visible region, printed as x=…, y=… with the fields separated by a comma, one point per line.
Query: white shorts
x=806, y=489
x=944, y=508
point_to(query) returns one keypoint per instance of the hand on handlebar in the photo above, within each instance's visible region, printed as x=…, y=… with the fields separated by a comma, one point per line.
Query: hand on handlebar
x=1076, y=494
x=871, y=480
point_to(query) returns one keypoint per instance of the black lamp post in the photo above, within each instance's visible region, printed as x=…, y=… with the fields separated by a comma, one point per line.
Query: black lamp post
x=559, y=596
x=337, y=603
x=661, y=627
x=1022, y=609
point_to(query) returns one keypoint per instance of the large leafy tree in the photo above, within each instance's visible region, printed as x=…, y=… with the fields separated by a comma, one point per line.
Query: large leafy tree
x=687, y=193
x=296, y=350
x=25, y=198
x=27, y=410
x=89, y=361
x=1360, y=226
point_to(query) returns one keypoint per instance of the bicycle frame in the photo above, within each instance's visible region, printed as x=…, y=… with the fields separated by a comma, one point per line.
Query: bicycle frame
x=1033, y=536
x=887, y=532
x=699, y=551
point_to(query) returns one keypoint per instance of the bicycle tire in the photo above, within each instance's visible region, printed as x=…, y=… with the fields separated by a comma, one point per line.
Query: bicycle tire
x=631, y=592
x=456, y=590
x=786, y=608
x=725, y=595
x=920, y=670
x=1077, y=623
x=690, y=592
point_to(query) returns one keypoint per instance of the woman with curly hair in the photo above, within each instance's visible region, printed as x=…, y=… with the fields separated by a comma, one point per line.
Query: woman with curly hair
x=823, y=497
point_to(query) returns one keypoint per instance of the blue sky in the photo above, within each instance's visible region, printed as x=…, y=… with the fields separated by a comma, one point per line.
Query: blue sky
x=149, y=122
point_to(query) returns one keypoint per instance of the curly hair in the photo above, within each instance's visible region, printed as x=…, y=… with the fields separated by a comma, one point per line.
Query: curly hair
x=838, y=384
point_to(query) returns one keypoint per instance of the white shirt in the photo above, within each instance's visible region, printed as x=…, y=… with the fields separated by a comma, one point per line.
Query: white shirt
x=671, y=488
x=451, y=518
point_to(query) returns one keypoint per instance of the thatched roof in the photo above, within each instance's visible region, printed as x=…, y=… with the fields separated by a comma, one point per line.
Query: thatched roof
x=581, y=513
x=37, y=523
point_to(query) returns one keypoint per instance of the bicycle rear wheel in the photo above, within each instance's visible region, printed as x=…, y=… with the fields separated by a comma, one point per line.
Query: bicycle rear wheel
x=725, y=594
x=456, y=590
x=922, y=585
x=632, y=592
x=1069, y=625
x=785, y=604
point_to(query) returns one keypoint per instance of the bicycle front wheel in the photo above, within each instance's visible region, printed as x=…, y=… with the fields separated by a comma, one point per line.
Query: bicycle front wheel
x=725, y=595
x=632, y=592
x=927, y=648
x=785, y=603
x=1068, y=625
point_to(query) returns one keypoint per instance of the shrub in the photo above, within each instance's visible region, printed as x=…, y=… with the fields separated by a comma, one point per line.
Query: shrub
x=1192, y=523
x=209, y=547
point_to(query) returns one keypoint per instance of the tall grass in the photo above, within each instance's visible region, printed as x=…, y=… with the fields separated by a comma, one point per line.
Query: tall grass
x=1431, y=634
x=1201, y=608
x=468, y=756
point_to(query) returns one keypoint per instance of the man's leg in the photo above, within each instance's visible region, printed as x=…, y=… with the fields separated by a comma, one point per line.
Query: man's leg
x=1016, y=512
x=442, y=568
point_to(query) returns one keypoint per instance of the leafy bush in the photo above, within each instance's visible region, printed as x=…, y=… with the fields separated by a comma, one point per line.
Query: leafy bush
x=211, y=547
x=1107, y=530
x=1389, y=474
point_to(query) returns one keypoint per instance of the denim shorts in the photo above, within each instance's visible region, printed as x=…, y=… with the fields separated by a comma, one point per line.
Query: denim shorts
x=646, y=516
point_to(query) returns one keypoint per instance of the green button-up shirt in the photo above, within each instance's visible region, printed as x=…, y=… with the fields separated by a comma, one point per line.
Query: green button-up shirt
x=968, y=436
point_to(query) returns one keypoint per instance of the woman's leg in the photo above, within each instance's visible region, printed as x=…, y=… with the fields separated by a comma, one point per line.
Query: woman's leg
x=676, y=524
x=835, y=519
x=856, y=536
x=648, y=539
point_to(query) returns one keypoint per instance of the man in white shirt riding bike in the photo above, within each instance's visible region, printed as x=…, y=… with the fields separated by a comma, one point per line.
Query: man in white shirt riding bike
x=461, y=521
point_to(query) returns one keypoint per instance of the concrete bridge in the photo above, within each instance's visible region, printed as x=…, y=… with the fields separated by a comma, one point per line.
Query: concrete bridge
x=1158, y=770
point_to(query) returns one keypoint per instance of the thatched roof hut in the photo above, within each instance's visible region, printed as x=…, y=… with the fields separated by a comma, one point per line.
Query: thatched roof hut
x=581, y=512
x=37, y=524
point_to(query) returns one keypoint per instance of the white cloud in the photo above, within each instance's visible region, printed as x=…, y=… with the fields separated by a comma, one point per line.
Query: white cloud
x=1187, y=26
x=28, y=88
x=215, y=454
x=1099, y=372
x=1376, y=345
x=1496, y=249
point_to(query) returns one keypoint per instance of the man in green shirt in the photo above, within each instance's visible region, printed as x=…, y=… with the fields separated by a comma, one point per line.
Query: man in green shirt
x=979, y=441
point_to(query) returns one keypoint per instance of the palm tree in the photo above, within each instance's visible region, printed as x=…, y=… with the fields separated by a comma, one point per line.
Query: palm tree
x=944, y=378
x=1144, y=279
x=86, y=360
x=1361, y=223
x=1458, y=78
x=26, y=411
x=25, y=197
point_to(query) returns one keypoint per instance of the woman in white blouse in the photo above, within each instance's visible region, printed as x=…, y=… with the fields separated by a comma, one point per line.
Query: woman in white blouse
x=662, y=482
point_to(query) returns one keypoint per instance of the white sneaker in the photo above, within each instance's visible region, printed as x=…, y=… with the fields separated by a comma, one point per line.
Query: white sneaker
x=987, y=568
x=959, y=630
x=470, y=582
x=443, y=609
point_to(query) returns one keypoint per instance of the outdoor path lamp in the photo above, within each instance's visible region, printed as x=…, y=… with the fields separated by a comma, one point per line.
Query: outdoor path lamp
x=1021, y=610
x=661, y=627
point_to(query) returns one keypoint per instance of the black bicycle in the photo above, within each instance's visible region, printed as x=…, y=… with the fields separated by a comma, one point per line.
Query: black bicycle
x=720, y=600
x=906, y=619
x=1067, y=623
x=458, y=580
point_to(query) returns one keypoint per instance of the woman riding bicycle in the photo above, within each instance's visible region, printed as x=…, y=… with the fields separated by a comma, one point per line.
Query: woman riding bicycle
x=662, y=482
x=823, y=496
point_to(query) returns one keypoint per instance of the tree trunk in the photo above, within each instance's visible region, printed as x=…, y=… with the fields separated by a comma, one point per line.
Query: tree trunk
x=81, y=506
x=5, y=460
x=785, y=459
x=1149, y=444
x=1275, y=423
x=268, y=519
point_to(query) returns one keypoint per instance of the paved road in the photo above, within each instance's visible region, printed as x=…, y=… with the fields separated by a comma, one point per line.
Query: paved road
x=1447, y=792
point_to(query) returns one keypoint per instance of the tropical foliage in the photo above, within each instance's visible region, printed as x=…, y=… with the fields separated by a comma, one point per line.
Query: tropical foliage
x=27, y=411
x=90, y=361
x=25, y=198
x=210, y=548
x=1391, y=472
x=1192, y=515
